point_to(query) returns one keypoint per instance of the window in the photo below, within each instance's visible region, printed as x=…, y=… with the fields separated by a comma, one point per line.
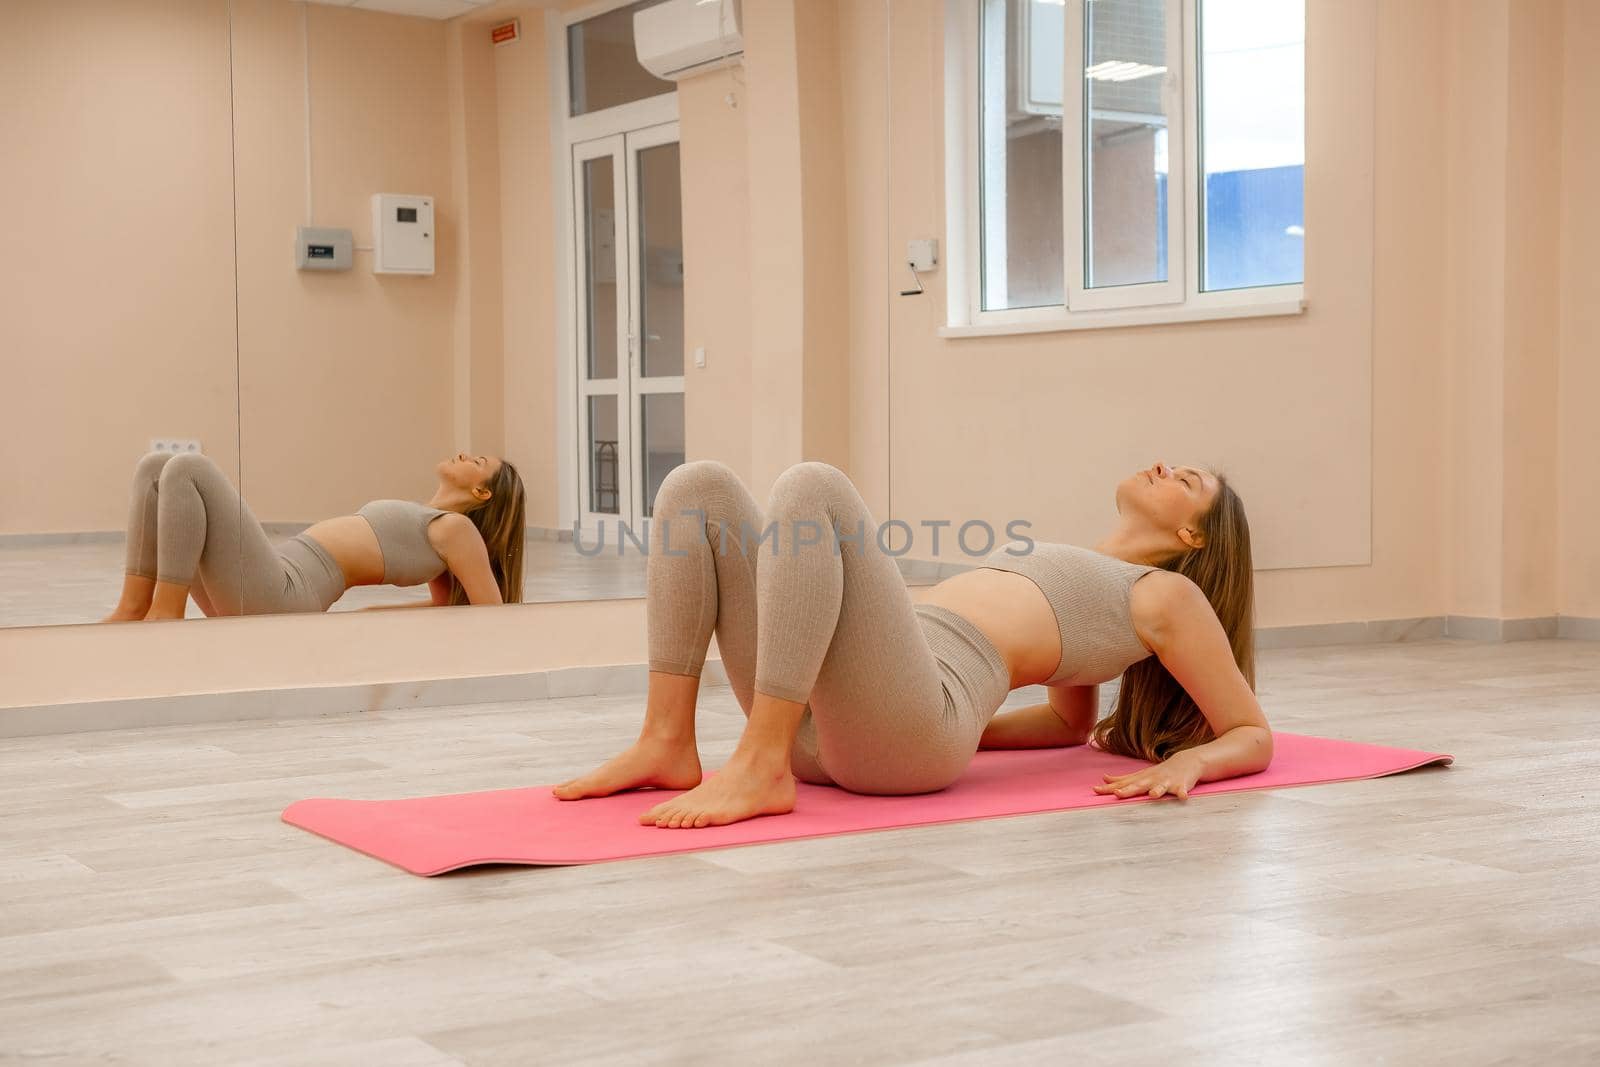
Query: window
x=1126, y=160
x=603, y=67
x=1252, y=143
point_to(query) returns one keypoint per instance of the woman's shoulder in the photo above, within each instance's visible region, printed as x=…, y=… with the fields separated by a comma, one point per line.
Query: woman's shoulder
x=449, y=527
x=1158, y=597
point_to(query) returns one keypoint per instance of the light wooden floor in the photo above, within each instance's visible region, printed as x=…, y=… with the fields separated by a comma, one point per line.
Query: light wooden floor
x=154, y=910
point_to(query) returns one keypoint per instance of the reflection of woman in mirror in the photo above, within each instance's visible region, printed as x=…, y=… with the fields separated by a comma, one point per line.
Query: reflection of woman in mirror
x=845, y=680
x=190, y=534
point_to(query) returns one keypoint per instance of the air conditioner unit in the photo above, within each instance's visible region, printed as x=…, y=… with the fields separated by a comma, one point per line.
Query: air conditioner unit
x=681, y=38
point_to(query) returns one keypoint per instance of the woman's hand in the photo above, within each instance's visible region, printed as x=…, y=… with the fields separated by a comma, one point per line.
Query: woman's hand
x=1176, y=775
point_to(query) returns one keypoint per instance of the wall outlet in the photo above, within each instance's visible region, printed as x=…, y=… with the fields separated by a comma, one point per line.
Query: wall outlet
x=174, y=445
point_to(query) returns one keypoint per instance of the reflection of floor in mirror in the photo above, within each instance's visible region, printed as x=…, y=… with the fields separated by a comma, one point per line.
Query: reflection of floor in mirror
x=52, y=585
x=157, y=911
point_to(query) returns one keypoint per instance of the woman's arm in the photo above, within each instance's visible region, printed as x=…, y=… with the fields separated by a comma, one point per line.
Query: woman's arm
x=463, y=551
x=1195, y=650
x=1065, y=720
x=438, y=596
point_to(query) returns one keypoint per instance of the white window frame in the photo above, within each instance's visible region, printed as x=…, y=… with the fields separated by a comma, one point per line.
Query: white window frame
x=1179, y=299
x=1074, y=179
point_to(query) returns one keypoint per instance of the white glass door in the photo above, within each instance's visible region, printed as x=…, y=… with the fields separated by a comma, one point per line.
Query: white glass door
x=629, y=339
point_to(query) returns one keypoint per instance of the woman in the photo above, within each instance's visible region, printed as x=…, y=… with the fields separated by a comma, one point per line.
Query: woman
x=189, y=534
x=845, y=681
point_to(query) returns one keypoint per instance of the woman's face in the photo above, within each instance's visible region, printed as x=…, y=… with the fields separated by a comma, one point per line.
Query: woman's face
x=1168, y=498
x=467, y=471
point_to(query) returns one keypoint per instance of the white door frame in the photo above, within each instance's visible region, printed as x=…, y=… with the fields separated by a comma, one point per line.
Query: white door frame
x=564, y=132
x=618, y=386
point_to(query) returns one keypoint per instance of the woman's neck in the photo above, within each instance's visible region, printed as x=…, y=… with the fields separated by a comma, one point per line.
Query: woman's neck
x=1131, y=546
x=449, y=498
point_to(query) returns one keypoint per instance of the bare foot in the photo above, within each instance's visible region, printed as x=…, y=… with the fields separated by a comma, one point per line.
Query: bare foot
x=662, y=764
x=121, y=615
x=738, y=791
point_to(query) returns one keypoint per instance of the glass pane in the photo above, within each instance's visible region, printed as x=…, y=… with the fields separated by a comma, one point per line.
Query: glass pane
x=604, y=67
x=661, y=430
x=605, y=472
x=1019, y=176
x=1125, y=142
x=118, y=307
x=661, y=254
x=600, y=237
x=1253, y=142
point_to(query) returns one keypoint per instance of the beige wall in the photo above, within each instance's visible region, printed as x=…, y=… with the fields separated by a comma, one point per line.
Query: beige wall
x=824, y=208
x=478, y=381
x=116, y=292
x=873, y=267
x=354, y=384
x=1417, y=397
x=1446, y=185
x=529, y=258
x=1579, y=362
x=716, y=260
x=1041, y=427
x=346, y=377
x=45, y=664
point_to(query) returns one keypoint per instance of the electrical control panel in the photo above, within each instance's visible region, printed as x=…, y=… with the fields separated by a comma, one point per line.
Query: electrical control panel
x=320, y=248
x=402, y=234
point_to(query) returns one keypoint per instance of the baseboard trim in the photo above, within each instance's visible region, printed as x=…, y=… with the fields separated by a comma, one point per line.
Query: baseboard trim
x=324, y=701
x=69, y=537
x=1578, y=628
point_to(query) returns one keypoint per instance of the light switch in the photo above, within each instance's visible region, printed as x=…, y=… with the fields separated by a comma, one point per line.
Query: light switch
x=699, y=357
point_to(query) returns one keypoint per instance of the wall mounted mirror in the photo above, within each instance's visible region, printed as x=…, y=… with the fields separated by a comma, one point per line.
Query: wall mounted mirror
x=117, y=311
x=369, y=259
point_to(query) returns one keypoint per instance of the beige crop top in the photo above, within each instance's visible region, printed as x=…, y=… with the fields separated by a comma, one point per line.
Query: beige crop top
x=1089, y=593
x=402, y=530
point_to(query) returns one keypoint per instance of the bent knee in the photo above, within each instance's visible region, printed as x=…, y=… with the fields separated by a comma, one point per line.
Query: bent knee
x=150, y=465
x=696, y=476
x=187, y=465
x=809, y=480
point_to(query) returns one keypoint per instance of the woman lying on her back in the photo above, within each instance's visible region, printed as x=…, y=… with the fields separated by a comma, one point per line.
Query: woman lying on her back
x=190, y=534
x=846, y=681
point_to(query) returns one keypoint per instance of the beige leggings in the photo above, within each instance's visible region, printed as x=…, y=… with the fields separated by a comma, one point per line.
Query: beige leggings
x=186, y=522
x=807, y=609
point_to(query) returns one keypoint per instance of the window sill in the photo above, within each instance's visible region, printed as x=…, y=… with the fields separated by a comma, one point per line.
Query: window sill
x=1146, y=316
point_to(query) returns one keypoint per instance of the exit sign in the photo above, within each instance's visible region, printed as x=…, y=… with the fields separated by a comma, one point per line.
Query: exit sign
x=506, y=32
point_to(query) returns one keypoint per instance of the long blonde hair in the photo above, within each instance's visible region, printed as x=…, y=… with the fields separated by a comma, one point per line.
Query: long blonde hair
x=1155, y=717
x=500, y=523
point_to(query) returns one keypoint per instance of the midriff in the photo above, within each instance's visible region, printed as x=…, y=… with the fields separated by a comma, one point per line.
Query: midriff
x=351, y=542
x=1010, y=611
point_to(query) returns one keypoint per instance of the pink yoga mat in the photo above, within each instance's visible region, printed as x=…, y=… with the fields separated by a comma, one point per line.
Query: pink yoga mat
x=432, y=835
